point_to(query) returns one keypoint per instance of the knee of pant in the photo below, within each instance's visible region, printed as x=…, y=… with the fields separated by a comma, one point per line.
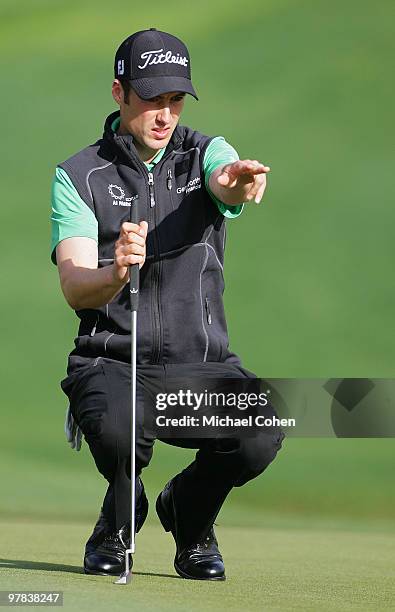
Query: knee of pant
x=114, y=444
x=109, y=440
x=143, y=457
x=256, y=454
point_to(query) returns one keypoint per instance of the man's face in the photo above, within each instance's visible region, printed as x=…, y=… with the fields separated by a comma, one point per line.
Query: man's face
x=152, y=122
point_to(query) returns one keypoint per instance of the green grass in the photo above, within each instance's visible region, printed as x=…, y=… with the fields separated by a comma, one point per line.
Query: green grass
x=310, y=480
x=267, y=569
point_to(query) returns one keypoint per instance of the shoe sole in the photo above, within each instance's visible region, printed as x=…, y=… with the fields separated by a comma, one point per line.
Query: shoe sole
x=164, y=519
x=97, y=573
x=184, y=575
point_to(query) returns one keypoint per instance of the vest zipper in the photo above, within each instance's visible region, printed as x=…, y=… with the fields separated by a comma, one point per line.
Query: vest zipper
x=151, y=189
x=156, y=271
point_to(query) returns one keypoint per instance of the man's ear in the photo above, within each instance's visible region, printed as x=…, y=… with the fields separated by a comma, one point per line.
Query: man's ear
x=117, y=92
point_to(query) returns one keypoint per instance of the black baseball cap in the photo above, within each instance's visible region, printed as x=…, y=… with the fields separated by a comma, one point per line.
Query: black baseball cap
x=155, y=63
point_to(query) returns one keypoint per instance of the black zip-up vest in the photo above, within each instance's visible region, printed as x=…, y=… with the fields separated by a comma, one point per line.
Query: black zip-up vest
x=181, y=315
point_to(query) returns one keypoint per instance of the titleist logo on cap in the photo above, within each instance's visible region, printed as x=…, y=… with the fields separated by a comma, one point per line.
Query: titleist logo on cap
x=158, y=57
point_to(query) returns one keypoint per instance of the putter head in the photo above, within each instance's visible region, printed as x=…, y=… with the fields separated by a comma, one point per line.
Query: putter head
x=124, y=578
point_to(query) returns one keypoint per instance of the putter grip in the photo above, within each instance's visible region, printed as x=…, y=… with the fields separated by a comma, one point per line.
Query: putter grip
x=134, y=272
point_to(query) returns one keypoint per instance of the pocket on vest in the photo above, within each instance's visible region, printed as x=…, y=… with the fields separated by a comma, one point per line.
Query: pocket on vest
x=214, y=320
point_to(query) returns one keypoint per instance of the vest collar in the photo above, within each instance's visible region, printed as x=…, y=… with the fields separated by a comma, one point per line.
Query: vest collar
x=126, y=140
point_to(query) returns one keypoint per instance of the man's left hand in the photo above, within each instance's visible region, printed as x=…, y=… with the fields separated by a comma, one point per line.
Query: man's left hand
x=245, y=179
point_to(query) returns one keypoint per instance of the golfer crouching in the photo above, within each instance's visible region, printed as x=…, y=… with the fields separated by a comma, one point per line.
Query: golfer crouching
x=186, y=185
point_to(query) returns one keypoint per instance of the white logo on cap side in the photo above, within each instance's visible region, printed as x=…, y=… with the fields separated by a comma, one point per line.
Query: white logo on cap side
x=158, y=57
x=121, y=66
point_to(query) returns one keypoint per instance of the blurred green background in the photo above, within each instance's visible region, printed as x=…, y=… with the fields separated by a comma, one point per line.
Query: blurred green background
x=306, y=87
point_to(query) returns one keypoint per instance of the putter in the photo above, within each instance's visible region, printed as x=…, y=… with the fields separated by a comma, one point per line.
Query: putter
x=126, y=576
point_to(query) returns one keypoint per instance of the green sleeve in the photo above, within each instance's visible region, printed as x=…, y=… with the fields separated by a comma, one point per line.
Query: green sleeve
x=70, y=216
x=220, y=152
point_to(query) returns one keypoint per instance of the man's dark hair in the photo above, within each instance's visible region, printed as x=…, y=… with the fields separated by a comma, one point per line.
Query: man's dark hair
x=126, y=89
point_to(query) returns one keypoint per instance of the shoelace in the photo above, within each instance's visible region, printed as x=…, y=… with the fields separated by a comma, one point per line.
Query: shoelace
x=209, y=541
x=114, y=540
x=205, y=544
x=202, y=552
x=111, y=541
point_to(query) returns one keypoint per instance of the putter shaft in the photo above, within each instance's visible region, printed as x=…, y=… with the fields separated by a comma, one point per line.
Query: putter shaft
x=126, y=576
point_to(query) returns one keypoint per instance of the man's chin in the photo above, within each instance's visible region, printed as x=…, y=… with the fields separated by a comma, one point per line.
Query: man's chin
x=158, y=143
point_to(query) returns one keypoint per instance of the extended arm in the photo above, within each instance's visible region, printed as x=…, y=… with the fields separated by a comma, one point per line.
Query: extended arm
x=240, y=181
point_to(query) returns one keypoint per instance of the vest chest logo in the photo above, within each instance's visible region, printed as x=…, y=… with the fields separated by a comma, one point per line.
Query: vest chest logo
x=118, y=196
x=190, y=186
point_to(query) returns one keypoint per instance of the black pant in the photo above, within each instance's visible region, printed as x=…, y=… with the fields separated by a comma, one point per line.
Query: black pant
x=100, y=402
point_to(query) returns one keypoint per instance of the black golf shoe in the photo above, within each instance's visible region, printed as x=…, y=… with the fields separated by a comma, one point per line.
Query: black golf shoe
x=105, y=550
x=199, y=561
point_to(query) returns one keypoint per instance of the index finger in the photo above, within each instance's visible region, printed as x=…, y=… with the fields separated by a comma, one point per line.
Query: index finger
x=247, y=167
x=256, y=168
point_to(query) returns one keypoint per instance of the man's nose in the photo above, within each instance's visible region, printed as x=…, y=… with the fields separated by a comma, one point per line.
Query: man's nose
x=164, y=115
